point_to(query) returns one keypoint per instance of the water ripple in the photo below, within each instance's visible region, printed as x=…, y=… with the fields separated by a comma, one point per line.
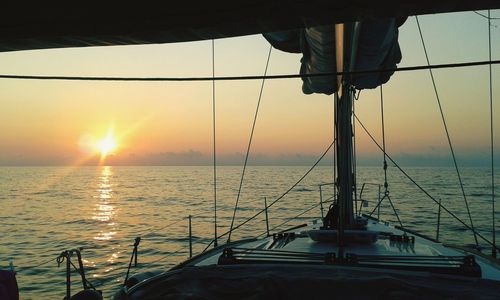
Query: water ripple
x=102, y=209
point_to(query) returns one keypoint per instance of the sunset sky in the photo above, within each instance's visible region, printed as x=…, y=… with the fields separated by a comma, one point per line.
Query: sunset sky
x=60, y=122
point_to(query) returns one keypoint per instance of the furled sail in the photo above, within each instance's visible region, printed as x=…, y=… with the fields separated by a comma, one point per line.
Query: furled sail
x=317, y=45
x=377, y=49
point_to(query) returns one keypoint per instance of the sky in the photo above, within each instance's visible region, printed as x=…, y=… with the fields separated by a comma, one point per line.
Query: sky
x=165, y=123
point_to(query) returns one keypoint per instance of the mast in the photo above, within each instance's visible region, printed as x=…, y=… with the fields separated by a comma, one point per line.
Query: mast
x=346, y=44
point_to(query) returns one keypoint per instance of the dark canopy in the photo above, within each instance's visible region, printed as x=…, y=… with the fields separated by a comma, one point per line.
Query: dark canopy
x=39, y=25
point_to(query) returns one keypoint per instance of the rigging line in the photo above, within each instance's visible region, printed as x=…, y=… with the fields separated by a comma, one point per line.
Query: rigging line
x=395, y=213
x=36, y=266
x=280, y=197
x=494, y=249
x=215, y=156
x=166, y=256
x=256, y=200
x=384, y=150
x=486, y=17
x=249, y=145
x=80, y=273
x=291, y=219
x=377, y=206
x=354, y=161
x=393, y=209
x=150, y=233
x=335, y=138
x=251, y=77
x=446, y=130
x=420, y=187
x=386, y=185
x=195, y=215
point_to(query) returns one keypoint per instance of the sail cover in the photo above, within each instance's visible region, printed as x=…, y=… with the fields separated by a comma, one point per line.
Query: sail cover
x=378, y=49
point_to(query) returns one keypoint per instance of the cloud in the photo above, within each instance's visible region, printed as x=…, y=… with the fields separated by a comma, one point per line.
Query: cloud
x=197, y=158
x=194, y=158
x=464, y=159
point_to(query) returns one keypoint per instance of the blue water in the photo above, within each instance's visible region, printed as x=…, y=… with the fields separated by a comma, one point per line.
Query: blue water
x=45, y=210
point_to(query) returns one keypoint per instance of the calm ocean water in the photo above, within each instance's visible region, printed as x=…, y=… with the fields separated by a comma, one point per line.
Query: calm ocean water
x=45, y=210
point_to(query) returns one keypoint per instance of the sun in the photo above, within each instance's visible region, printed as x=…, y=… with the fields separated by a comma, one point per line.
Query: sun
x=107, y=144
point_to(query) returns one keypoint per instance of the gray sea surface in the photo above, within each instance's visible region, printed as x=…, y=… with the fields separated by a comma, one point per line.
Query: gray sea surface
x=45, y=210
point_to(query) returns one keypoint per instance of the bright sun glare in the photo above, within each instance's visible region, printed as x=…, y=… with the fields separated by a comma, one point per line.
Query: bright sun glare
x=107, y=144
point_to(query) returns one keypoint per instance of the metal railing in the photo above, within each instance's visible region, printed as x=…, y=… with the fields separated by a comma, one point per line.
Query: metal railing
x=364, y=202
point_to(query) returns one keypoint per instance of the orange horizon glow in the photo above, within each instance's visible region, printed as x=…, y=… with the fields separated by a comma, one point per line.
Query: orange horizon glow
x=68, y=123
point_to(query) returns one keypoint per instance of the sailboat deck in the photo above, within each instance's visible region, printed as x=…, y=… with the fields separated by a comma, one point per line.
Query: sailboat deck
x=301, y=243
x=292, y=265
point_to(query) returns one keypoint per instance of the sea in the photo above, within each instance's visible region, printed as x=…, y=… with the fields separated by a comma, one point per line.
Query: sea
x=100, y=210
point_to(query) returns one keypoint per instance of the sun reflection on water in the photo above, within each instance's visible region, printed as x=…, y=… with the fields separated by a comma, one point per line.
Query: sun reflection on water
x=104, y=216
x=105, y=210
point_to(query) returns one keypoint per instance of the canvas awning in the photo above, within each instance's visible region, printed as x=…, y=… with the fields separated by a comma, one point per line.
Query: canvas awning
x=39, y=25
